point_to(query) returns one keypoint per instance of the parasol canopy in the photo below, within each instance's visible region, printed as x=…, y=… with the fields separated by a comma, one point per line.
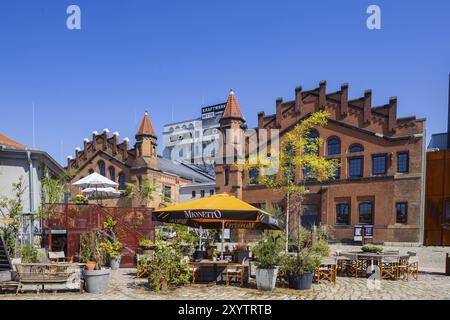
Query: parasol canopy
x=103, y=193
x=216, y=212
x=95, y=180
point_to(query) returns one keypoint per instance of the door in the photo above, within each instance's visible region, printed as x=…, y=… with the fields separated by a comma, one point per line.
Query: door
x=309, y=216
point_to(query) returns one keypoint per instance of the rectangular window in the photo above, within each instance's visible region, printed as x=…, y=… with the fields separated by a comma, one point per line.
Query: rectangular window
x=366, y=213
x=337, y=172
x=227, y=177
x=403, y=162
x=402, y=212
x=202, y=193
x=355, y=167
x=379, y=164
x=342, y=213
x=168, y=192
x=194, y=194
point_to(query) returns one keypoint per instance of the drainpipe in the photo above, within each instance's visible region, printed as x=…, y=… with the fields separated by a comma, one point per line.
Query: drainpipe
x=31, y=193
x=422, y=193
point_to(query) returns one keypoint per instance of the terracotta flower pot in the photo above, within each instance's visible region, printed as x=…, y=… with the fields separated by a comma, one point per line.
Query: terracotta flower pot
x=90, y=265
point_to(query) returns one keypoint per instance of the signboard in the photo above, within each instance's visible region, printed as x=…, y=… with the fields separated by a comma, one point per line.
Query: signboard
x=360, y=231
x=211, y=111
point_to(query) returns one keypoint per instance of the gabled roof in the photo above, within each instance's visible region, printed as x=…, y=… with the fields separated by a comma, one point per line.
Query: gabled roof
x=146, y=127
x=8, y=142
x=232, y=109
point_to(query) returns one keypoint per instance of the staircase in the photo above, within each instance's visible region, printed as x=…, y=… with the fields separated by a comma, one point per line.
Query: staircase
x=5, y=263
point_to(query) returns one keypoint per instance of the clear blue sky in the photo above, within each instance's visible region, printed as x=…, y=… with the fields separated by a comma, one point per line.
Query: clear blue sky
x=136, y=55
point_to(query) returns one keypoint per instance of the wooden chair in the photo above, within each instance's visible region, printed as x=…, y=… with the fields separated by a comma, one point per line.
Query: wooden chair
x=389, y=268
x=413, y=267
x=236, y=271
x=347, y=265
x=327, y=271
x=403, y=264
x=59, y=257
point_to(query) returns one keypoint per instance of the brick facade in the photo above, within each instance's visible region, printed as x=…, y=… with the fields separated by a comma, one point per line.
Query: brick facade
x=138, y=163
x=353, y=122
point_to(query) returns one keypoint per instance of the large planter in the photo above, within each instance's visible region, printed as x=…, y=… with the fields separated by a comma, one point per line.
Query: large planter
x=115, y=262
x=199, y=255
x=96, y=281
x=302, y=281
x=266, y=279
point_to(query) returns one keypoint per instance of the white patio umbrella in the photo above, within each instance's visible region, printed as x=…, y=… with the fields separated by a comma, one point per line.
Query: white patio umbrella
x=95, y=180
x=101, y=193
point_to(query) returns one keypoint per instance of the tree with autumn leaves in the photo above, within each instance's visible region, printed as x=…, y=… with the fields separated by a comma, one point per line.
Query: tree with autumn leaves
x=299, y=152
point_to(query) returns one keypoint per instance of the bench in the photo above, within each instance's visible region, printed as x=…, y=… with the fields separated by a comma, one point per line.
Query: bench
x=41, y=274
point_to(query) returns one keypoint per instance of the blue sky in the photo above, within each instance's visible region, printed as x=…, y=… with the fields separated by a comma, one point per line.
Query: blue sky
x=135, y=55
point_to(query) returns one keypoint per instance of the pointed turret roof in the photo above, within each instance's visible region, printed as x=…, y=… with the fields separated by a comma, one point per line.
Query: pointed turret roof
x=146, y=127
x=232, y=109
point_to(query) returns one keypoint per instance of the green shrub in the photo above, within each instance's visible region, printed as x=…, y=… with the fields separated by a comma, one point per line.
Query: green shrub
x=268, y=251
x=372, y=248
x=28, y=254
x=167, y=268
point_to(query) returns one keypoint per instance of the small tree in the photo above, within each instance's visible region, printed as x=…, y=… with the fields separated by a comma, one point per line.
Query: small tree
x=11, y=213
x=299, y=151
x=143, y=194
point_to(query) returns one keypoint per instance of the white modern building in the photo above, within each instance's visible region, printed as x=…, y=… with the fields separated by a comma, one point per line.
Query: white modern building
x=195, y=141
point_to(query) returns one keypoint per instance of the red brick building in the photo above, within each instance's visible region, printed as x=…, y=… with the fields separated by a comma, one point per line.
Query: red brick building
x=381, y=157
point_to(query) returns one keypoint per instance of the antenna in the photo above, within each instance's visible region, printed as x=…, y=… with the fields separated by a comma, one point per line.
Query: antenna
x=34, y=126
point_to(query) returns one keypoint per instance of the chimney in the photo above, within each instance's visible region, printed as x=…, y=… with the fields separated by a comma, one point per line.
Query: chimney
x=344, y=99
x=261, y=120
x=448, y=121
x=322, y=94
x=298, y=99
x=367, y=105
x=392, y=121
x=278, y=102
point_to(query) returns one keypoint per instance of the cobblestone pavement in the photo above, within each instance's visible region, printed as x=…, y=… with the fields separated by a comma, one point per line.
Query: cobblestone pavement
x=124, y=286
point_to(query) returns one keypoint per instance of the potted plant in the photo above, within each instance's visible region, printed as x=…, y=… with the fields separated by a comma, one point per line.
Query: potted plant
x=110, y=245
x=310, y=247
x=268, y=253
x=96, y=278
x=28, y=254
x=113, y=251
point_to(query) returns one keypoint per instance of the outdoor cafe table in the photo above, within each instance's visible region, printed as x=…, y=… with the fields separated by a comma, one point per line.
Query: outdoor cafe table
x=367, y=255
x=209, y=271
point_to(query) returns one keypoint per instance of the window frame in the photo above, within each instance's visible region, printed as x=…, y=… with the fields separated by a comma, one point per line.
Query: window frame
x=338, y=146
x=348, y=213
x=372, y=212
x=383, y=155
x=404, y=153
x=361, y=159
x=402, y=203
x=101, y=168
x=355, y=145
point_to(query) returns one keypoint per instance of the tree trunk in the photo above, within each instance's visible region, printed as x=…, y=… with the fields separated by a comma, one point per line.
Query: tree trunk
x=287, y=220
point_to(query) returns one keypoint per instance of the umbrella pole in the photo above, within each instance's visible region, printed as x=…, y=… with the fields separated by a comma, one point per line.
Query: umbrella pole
x=223, y=239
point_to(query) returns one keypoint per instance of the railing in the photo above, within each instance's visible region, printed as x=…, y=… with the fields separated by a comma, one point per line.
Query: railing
x=133, y=224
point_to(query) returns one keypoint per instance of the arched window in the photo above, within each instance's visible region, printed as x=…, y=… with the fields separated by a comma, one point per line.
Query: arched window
x=254, y=176
x=313, y=134
x=122, y=181
x=112, y=173
x=102, y=168
x=356, y=148
x=333, y=146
